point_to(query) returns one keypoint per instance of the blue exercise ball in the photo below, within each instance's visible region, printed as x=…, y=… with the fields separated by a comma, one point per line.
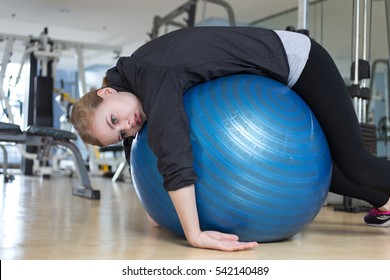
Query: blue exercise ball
x=262, y=160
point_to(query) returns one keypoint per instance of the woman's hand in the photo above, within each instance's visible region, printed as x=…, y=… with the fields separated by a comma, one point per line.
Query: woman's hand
x=185, y=204
x=221, y=241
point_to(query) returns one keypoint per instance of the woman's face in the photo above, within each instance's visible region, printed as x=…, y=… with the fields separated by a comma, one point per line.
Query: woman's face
x=120, y=115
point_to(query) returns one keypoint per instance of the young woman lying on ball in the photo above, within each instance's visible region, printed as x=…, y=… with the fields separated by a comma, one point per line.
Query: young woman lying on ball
x=149, y=86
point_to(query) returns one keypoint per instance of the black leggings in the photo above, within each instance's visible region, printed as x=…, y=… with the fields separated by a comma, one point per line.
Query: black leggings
x=356, y=172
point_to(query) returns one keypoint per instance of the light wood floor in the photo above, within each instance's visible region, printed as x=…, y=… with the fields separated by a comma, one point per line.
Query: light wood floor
x=41, y=219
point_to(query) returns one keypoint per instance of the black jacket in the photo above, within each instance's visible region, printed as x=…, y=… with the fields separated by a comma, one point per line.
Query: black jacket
x=161, y=71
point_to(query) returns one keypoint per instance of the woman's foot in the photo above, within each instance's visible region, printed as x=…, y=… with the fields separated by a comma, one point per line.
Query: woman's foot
x=377, y=218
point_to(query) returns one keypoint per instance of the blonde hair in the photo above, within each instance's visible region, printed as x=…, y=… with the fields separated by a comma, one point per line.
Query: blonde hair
x=81, y=115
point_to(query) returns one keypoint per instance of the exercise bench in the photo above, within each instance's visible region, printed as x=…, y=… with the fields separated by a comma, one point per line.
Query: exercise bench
x=44, y=138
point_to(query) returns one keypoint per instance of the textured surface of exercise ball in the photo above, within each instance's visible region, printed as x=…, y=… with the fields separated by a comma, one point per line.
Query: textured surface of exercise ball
x=262, y=160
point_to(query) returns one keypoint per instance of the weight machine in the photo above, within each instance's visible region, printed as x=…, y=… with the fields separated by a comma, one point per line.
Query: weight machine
x=35, y=142
x=359, y=89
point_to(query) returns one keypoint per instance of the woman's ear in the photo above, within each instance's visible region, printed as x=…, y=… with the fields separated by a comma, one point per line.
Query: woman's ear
x=103, y=92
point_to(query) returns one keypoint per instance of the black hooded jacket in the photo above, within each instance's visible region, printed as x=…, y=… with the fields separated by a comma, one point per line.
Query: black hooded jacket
x=162, y=70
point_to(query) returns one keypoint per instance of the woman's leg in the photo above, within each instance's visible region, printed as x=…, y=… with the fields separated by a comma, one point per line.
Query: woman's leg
x=324, y=90
x=343, y=186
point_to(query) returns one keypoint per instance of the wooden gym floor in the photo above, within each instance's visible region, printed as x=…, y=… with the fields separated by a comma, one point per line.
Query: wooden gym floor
x=41, y=219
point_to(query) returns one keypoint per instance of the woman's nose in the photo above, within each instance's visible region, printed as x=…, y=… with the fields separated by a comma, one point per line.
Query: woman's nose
x=125, y=124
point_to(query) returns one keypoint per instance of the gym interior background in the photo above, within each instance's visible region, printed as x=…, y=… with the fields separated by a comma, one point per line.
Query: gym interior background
x=45, y=214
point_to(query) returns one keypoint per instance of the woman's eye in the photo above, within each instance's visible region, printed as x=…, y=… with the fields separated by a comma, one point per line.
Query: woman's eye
x=114, y=120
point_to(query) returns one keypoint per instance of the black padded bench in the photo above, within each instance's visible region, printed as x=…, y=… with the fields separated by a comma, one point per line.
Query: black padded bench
x=45, y=138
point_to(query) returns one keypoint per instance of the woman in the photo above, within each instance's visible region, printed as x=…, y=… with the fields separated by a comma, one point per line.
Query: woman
x=149, y=85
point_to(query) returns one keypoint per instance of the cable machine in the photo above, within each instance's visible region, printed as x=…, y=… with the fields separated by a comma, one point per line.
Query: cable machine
x=359, y=88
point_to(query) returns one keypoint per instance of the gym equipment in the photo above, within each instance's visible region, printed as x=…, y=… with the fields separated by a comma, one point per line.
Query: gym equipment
x=262, y=160
x=359, y=90
x=43, y=54
x=189, y=8
x=379, y=106
x=303, y=15
x=8, y=177
x=44, y=138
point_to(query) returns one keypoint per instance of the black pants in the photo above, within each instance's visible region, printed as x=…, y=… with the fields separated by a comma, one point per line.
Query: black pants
x=356, y=172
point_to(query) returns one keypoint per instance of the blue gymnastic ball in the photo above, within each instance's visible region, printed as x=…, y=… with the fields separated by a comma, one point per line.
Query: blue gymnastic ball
x=262, y=160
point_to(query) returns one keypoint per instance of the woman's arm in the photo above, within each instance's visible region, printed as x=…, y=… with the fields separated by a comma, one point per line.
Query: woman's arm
x=185, y=204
